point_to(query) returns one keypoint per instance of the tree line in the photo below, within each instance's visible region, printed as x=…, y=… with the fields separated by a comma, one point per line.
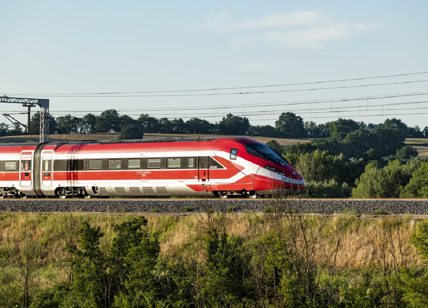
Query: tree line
x=288, y=125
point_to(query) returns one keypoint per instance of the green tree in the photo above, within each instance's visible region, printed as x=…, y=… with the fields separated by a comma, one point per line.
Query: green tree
x=88, y=124
x=396, y=124
x=150, y=124
x=342, y=127
x=406, y=152
x=178, y=126
x=67, y=124
x=35, y=124
x=131, y=131
x=319, y=166
x=232, y=125
x=135, y=254
x=418, y=184
x=120, y=274
x=425, y=132
x=90, y=278
x=4, y=130
x=386, y=182
x=416, y=286
x=386, y=140
x=316, y=131
x=289, y=125
x=198, y=126
x=262, y=130
x=222, y=283
x=108, y=120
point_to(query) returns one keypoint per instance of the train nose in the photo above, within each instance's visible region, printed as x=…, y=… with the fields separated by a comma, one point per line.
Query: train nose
x=295, y=178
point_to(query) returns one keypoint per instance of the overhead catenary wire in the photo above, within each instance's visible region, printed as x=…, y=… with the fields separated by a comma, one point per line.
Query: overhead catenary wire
x=257, y=105
x=307, y=113
x=233, y=93
x=252, y=113
x=236, y=87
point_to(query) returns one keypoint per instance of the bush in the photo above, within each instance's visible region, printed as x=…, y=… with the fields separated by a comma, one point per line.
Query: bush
x=327, y=189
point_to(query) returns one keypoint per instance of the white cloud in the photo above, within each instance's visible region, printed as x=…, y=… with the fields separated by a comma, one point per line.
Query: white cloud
x=224, y=21
x=308, y=29
x=314, y=37
x=255, y=66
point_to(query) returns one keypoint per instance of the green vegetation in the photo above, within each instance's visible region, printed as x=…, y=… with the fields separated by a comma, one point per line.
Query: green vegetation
x=359, y=160
x=282, y=258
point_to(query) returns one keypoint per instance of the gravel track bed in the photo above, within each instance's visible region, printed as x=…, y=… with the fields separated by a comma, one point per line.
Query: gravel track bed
x=416, y=207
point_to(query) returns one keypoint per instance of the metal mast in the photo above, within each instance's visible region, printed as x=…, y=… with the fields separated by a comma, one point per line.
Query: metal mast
x=44, y=112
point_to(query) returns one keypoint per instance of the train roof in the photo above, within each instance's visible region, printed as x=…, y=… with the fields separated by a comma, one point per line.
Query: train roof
x=244, y=140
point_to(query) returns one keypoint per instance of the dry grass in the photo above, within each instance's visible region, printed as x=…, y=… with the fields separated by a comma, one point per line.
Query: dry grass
x=422, y=151
x=362, y=242
x=416, y=140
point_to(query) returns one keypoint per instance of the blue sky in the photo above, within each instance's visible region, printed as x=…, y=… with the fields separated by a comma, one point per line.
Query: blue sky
x=125, y=46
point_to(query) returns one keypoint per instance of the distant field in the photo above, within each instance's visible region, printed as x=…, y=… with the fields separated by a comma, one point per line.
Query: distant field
x=114, y=136
x=420, y=144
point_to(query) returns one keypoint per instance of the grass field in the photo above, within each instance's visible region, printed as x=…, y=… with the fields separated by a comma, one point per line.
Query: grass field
x=420, y=144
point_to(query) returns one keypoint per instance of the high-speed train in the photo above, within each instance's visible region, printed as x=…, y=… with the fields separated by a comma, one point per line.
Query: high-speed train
x=165, y=167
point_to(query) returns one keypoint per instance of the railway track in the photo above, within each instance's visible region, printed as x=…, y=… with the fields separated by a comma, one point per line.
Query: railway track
x=180, y=205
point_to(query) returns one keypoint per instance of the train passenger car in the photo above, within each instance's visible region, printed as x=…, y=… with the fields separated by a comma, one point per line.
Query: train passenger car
x=178, y=167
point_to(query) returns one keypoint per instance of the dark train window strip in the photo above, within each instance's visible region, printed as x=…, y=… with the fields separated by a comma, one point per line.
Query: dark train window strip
x=134, y=163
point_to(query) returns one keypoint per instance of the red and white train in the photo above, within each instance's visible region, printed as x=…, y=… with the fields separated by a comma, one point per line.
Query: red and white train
x=179, y=167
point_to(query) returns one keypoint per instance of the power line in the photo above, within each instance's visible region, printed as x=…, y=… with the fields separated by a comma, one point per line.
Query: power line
x=306, y=111
x=231, y=88
x=237, y=93
x=257, y=105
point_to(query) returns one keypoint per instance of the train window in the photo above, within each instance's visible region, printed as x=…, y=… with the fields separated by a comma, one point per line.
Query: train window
x=265, y=152
x=153, y=163
x=203, y=162
x=74, y=165
x=191, y=162
x=69, y=165
x=134, y=163
x=173, y=163
x=114, y=164
x=214, y=164
x=47, y=165
x=25, y=165
x=233, y=154
x=10, y=166
x=60, y=165
x=95, y=164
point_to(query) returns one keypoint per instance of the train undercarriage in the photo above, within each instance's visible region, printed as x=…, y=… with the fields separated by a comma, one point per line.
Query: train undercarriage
x=80, y=192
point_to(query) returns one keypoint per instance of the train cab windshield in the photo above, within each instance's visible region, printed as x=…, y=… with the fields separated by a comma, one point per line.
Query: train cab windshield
x=265, y=152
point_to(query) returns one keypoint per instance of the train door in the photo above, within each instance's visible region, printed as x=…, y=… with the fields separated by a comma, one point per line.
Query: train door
x=47, y=170
x=25, y=164
x=203, y=169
